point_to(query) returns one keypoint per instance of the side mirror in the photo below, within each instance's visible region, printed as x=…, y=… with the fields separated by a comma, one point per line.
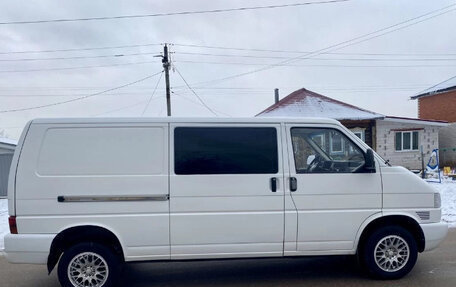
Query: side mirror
x=369, y=165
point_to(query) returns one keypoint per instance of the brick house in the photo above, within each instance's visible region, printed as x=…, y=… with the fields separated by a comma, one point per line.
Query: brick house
x=439, y=103
x=394, y=138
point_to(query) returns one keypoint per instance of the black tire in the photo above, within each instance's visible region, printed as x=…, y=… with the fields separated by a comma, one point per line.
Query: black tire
x=368, y=260
x=112, y=260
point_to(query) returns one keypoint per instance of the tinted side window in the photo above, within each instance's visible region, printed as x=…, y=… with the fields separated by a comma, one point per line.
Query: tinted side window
x=207, y=150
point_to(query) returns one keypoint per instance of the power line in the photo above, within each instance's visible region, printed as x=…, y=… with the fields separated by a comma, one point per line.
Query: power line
x=171, y=13
x=321, y=59
x=313, y=88
x=197, y=103
x=238, y=92
x=244, y=88
x=78, y=49
x=188, y=61
x=353, y=41
x=193, y=91
x=79, y=57
x=317, y=65
x=77, y=67
x=79, y=98
x=206, y=62
x=375, y=34
x=219, y=48
x=393, y=30
x=307, y=52
x=68, y=95
x=235, y=90
x=152, y=95
x=430, y=88
x=125, y=107
x=120, y=109
x=250, y=95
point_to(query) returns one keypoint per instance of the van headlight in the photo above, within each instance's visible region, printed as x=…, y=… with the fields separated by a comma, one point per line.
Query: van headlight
x=437, y=200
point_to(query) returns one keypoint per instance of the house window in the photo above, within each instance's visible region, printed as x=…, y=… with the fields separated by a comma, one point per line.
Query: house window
x=407, y=140
x=359, y=132
x=336, y=145
x=319, y=140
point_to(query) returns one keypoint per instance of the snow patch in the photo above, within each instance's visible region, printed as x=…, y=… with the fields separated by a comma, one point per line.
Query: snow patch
x=451, y=82
x=304, y=103
x=315, y=107
x=447, y=190
x=8, y=141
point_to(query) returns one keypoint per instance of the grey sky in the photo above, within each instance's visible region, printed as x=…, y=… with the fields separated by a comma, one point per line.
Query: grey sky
x=380, y=88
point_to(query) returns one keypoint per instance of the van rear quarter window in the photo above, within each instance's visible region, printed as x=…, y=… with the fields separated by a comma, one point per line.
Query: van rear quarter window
x=86, y=151
x=225, y=150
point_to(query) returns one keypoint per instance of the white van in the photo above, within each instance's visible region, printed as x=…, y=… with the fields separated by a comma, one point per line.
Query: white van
x=91, y=194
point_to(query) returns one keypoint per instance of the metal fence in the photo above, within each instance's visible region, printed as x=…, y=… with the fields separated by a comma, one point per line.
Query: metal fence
x=448, y=157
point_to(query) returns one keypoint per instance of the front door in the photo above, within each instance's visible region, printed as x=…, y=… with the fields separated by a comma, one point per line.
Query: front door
x=332, y=192
x=226, y=191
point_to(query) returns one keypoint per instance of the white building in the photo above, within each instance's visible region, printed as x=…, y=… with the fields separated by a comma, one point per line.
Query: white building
x=7, y=147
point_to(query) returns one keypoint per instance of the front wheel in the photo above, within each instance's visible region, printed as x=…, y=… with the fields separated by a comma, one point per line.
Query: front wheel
x=389, y=253
x=88, y=264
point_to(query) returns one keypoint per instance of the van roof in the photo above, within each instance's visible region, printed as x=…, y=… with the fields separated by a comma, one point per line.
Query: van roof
x=183, y=120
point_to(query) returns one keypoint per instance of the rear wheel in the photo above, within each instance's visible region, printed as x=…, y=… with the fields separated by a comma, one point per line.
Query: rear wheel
x=89, y=264
x=389, y=253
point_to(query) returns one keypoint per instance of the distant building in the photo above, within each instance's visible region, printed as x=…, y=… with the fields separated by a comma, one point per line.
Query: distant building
x=439, y=103
x=7, y=147
x=394, y=138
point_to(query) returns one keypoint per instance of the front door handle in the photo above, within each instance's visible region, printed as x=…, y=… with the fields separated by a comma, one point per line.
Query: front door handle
x=293, y=184
x=273, y=184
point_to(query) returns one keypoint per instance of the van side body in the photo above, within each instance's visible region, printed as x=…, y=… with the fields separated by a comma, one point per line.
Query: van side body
x=191, y=188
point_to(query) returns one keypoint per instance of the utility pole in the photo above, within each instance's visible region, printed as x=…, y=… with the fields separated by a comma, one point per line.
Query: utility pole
x=166, y=66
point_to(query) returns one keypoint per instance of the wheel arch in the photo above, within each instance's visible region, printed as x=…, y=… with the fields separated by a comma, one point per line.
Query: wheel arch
x=76, y=234
x=400, y=219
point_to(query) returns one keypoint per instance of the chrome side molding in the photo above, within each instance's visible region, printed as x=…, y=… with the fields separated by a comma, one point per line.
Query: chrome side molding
x=159, y=197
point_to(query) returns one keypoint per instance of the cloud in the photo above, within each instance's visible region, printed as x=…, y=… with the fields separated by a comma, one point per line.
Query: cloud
x=381, y=89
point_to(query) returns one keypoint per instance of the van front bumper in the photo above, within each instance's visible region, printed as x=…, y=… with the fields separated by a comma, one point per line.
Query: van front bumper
x=28, y=248
x=434, y=234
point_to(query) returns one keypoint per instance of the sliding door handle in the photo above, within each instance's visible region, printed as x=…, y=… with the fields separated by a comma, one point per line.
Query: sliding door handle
x=293, y=184
x=273, y=184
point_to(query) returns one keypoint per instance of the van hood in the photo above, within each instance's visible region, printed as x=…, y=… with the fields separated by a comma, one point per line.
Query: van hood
x=397, y=179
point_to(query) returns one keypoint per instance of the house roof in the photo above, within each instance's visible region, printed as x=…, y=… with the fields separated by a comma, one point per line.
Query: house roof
x=416, y=121
x=442, y=87
x=305, y=103
x=7, y=145
x=8, y=141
